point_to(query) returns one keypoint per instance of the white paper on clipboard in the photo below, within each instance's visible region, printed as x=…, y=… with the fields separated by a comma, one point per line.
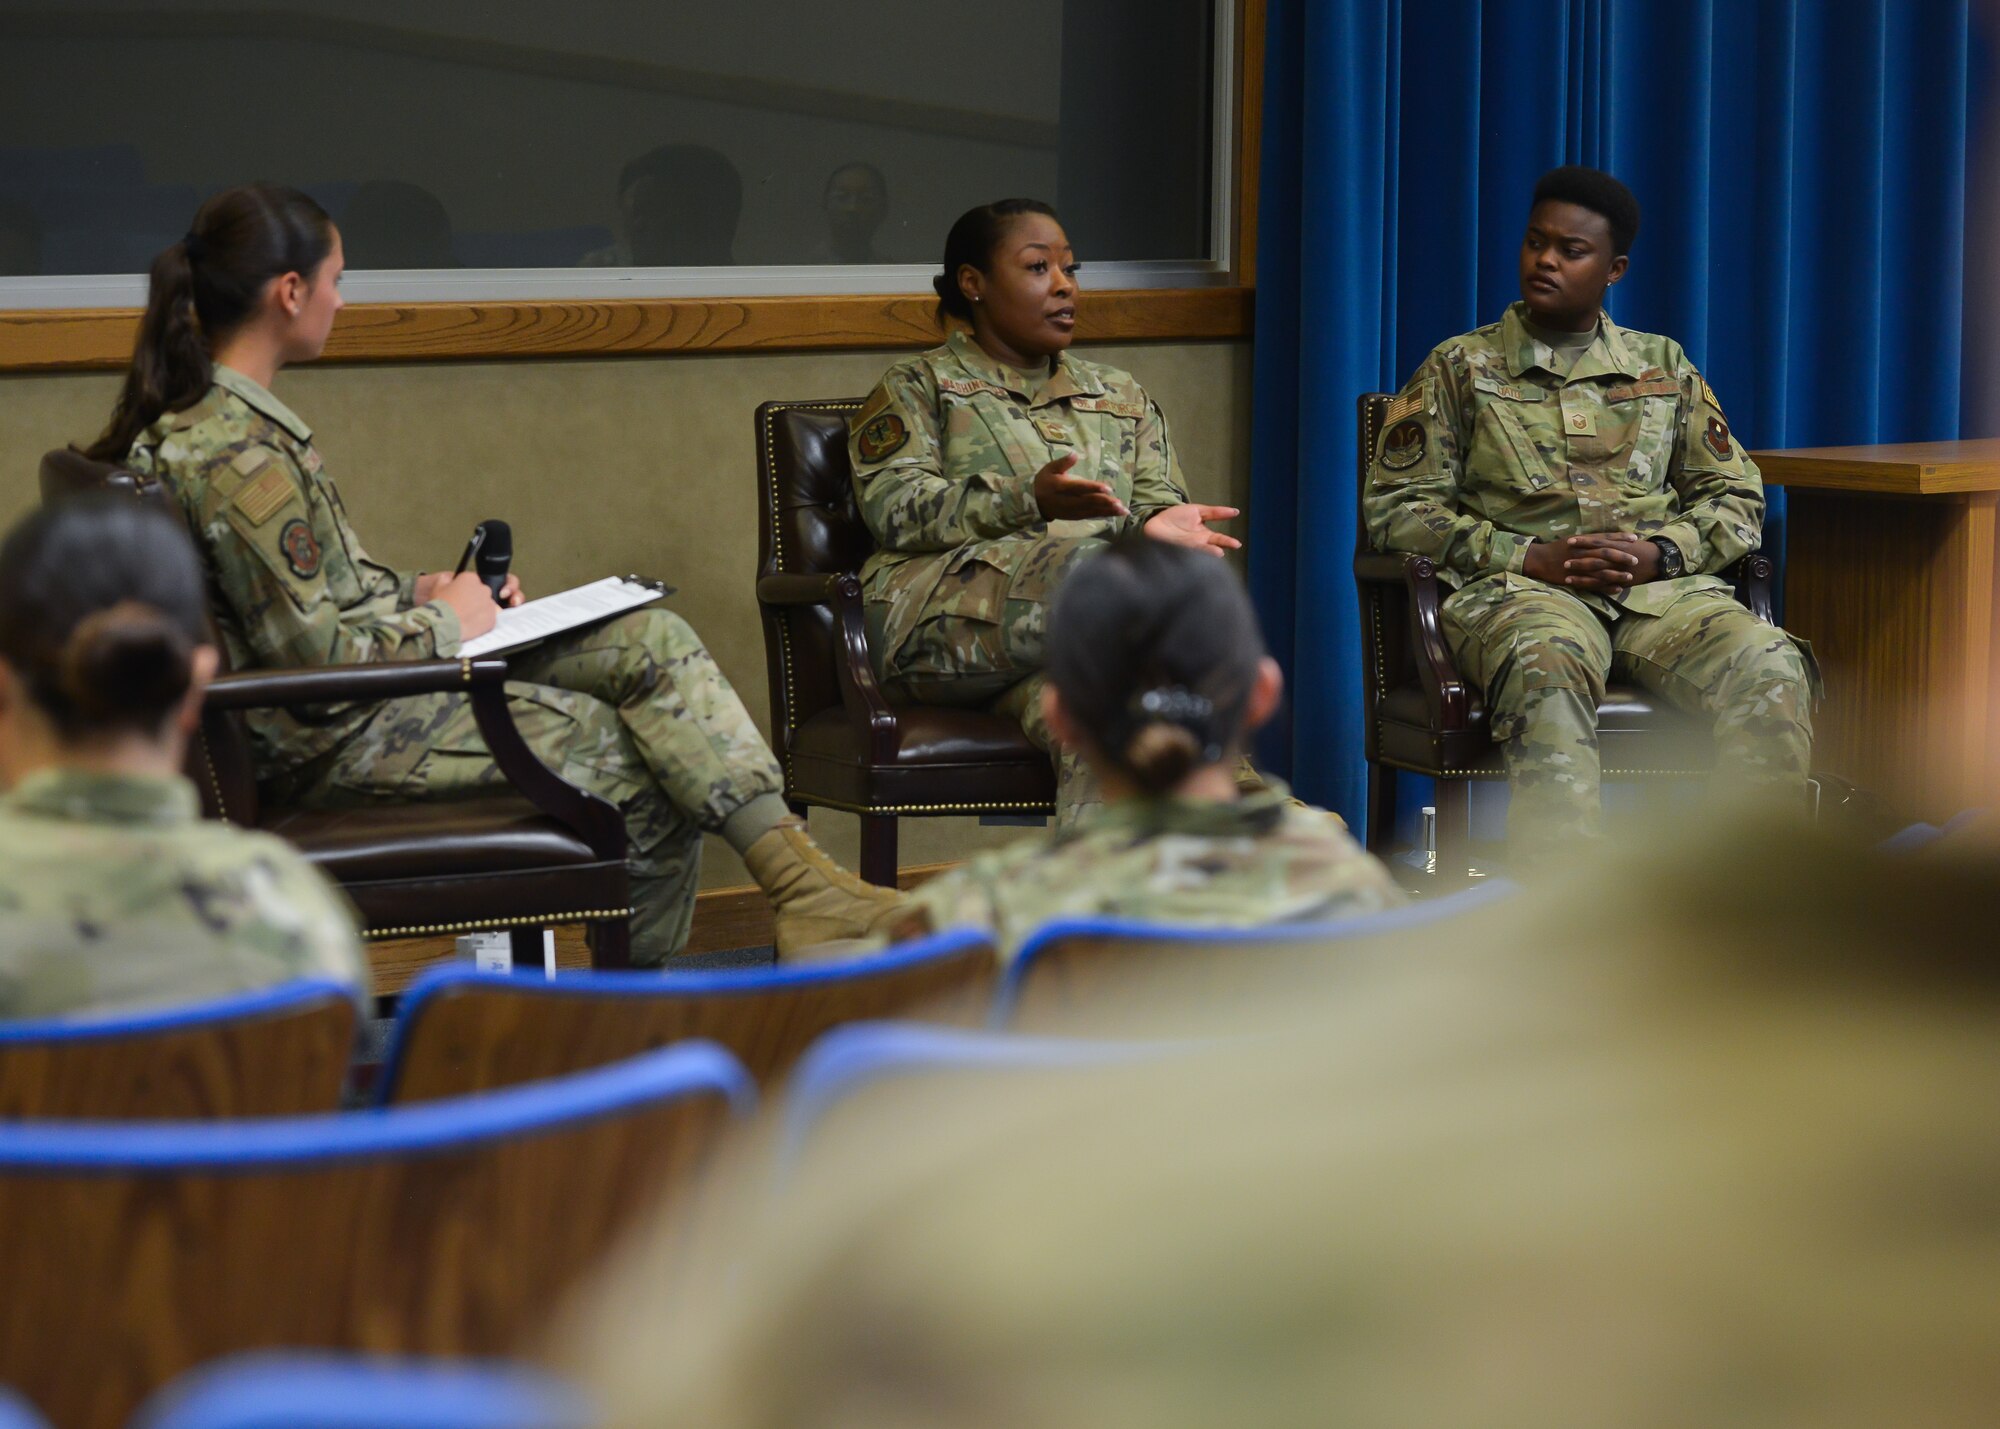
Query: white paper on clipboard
x=535, y=620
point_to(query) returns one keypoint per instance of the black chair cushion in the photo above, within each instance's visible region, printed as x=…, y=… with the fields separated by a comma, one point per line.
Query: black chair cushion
x=1636, y=733
x=947, y=757
x=455, y=838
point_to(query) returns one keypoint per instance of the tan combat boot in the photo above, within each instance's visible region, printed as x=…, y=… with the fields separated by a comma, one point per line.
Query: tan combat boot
x=816, y=900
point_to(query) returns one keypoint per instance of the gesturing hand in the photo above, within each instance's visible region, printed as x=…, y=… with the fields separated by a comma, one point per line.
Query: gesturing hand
x=1187, y=525
x=1602, y=562
x=1063, y=497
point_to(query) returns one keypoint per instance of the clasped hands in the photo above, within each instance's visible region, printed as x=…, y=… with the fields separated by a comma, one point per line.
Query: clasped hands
x=1603, y=562
x=1063, y=497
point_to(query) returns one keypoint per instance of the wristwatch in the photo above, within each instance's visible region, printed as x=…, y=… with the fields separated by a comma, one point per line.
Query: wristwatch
x=1671, y=563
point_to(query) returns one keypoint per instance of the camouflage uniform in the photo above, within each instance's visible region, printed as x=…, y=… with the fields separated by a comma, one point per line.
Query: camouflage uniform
x=634, y=709
x=115, y=893
x=1492, y=445
x=945, y=452
x=1260, y=859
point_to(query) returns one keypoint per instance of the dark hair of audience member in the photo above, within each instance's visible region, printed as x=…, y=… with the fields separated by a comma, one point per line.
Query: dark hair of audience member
x=204, y=286
x=854, y=166
x=101, y=611
x=1597, y=191
x=1154, y=650
x=973, y=240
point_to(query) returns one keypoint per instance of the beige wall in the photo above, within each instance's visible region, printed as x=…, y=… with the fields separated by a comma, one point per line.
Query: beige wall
x=615, y=465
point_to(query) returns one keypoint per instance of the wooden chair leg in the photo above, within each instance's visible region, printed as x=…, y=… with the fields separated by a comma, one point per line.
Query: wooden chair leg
x=1454, y=831
x=878, y=849
x=610, y=943
x=1381, y=806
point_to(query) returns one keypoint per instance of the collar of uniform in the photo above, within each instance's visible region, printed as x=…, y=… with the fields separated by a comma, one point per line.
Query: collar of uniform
x=1246, y=817
x=1067, y=380
x=1607, y=355
x=260, y=397
x=98, y=798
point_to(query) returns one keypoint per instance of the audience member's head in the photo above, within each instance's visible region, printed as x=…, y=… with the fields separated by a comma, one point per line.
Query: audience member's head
x=1560, y=1162
x=20, y=240
x=102, y=633
x=392, y=224
x=217, y=278
x=678, y=206
x=856, y=200
x=1156, y=667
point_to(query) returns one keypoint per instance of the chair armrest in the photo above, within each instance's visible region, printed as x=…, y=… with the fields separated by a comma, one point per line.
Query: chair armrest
x=860, y=695
x=342, y=684
x=1445, y=697
x=1752, y=576
x=801, y=587
x=484, y=683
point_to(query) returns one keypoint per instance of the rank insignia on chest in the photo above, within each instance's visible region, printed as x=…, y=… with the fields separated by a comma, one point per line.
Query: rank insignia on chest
x=301, y=548
x=881, y=436
x=1053, y=431
x=1716, y=437
x=1403, y=445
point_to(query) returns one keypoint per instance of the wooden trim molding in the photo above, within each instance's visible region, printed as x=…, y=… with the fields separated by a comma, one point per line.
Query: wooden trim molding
x=100, y=339
x=1249, y=100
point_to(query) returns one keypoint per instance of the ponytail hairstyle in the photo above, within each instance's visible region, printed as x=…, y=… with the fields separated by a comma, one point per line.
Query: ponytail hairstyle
x=1155, y=651
x=101, y=611
x=203, y=287
x=972, y=240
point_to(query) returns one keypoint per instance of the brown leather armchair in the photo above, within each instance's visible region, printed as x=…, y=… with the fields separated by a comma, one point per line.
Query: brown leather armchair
x=547, y=852
x=843, y=745
x=1425, y=717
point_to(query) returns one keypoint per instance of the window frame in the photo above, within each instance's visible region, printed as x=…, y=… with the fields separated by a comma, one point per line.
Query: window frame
x=88, y=322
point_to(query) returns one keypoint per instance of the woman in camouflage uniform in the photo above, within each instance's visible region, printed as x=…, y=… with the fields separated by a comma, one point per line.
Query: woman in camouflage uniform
x=988, y=467
x=114, y=892
x=1157, y=675
x=633, y=708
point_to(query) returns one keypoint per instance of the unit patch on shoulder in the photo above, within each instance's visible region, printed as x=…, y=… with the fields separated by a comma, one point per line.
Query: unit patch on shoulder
x=301, y=548
x=262, y=498
x=1716, y=437
x=1403, y=445
x=881, y=436
x=1708, y=395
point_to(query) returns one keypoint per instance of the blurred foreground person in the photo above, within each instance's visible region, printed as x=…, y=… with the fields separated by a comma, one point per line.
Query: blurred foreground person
x=1157, y=678
x=114, y=891
x=1574, y=1166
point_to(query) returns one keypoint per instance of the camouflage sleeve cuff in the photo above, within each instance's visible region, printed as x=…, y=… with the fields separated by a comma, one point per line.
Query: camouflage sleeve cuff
x=1686, y=537
x=1509, y=554
x=406, y=590
x=446, y=636
x=1017, y=497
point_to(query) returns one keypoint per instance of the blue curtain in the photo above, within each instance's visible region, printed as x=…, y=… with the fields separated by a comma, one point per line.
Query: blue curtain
x=1803, y=171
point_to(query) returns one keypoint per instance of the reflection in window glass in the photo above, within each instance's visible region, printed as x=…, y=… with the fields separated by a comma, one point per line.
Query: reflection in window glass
x=524, y=134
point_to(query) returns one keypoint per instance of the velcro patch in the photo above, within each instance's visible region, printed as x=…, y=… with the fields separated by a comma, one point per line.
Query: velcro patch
x=249, y=459
x=1403, y=445
x=301, y=548
x=1114, y=406
x=1716, y=437
x=264, y=497
x=969, y=386
x=1412, y=403
x=882, y=436
x=1054, y=432
x=1708, y=395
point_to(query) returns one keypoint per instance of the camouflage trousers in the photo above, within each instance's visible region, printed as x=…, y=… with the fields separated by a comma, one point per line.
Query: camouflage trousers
x=634, y=710
x=1542, y=658
x=981, y=641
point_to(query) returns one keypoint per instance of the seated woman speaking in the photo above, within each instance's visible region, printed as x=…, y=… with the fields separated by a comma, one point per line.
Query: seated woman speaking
x=114, y=892
x=987, y=468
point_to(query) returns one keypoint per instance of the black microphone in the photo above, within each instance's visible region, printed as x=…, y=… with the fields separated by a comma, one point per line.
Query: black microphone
x=496, y=553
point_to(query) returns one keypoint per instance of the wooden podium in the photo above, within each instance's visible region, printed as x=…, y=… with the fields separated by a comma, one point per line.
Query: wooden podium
x=1889, y=572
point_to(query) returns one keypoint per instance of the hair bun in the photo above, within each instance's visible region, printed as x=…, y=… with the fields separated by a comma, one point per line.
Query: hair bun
x=1162, y=754
x=128, y=655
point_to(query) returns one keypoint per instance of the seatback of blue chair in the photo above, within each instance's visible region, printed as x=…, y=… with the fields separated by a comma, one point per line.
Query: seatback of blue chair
x=17, y=1413
x=280, y=1051
x=462, y=1031
x=850, y=1060
x=330, y=1391
x=1072, y=969
x=135, y=1251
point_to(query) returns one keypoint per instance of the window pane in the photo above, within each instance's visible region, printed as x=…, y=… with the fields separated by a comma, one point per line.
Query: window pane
x=535, y=134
